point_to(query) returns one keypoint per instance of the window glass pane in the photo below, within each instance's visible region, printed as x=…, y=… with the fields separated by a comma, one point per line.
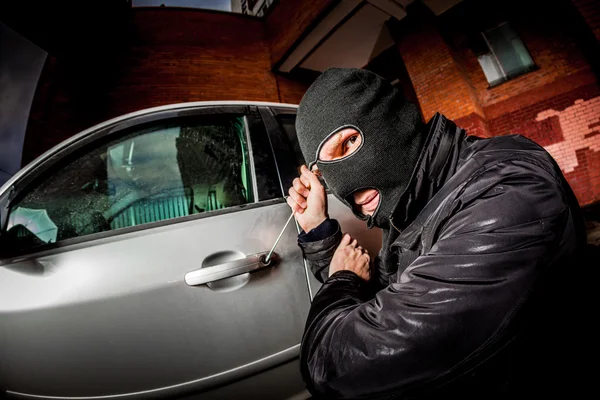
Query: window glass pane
x=267, y=178
x=522, y=53
x=491, y=69
x=288, y=125
x=509, y=50
x=166, y=171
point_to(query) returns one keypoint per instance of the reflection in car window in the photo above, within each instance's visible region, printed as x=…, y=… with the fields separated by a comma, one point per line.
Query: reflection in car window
x=172, y=170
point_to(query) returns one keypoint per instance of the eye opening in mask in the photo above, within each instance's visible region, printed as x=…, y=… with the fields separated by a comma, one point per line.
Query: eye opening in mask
x=336, y=131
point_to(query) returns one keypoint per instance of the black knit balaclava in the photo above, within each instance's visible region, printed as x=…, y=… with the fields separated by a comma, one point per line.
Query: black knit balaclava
x=391, y=129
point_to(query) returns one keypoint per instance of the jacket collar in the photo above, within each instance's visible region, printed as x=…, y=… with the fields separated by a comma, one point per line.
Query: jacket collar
x=437, y=163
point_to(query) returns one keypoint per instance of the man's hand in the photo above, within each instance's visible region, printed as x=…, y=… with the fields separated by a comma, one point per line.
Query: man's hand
x=308, y=200
x=351, y=257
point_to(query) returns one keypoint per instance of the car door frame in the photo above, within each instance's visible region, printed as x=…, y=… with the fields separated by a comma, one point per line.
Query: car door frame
x=283, y=156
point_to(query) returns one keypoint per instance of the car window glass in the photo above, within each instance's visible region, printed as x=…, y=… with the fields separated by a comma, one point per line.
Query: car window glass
x=287, y=122
x=160, y=172
x=267, y=179
x=288, y=125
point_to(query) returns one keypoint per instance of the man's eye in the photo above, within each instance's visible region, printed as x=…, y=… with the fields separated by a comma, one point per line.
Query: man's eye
x=349, y=143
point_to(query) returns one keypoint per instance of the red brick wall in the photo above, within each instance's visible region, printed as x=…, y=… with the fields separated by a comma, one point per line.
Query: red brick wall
x=288, y=20
x=554, y=51
x=171, y=56
x=557, y=105
x=579, y=154
x=474, y=124
x=439, y=82
x=188, y=55
x=585, y=178
x=568, y=126
x=554, y=105
x=590, y=10
x=291, y=91
x=523, y=120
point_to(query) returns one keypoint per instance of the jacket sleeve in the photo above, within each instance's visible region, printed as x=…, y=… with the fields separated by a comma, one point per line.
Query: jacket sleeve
x=451, y=303
x=326, y=229
x=319, y=253
x=380, y=272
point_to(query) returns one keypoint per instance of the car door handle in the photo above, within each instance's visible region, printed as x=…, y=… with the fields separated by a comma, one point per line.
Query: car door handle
x=231, y=268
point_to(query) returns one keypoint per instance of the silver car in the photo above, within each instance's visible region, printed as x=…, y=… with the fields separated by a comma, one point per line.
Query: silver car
x=132, y=259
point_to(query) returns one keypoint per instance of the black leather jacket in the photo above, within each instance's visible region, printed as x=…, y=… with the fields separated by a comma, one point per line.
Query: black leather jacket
x=474, y=284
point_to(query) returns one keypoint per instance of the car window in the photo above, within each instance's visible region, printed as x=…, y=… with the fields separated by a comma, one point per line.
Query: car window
x=288, y=126
x=287, y=122
x=153, y=173
x=267, y=179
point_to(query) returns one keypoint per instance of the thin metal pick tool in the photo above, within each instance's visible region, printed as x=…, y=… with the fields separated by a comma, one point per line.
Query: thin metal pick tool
x=268, y=258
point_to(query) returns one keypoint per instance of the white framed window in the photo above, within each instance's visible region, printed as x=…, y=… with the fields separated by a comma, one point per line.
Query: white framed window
x=506, y=56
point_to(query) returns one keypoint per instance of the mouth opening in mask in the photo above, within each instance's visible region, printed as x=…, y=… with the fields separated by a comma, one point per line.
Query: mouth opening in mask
x=365, y=201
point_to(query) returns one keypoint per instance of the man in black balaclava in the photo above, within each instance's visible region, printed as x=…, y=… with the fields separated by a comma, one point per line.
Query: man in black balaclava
x=463, y=296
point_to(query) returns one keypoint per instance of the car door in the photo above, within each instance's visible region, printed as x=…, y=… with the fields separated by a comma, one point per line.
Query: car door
x=131, y=264
x=281, y=122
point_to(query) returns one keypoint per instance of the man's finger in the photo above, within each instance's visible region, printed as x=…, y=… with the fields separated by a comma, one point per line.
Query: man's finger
x=345, y=240
x=300, y=187
x=300, y=200
x=294, y=206
x=312, y=178
x=298, y=197
x=305, y=181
